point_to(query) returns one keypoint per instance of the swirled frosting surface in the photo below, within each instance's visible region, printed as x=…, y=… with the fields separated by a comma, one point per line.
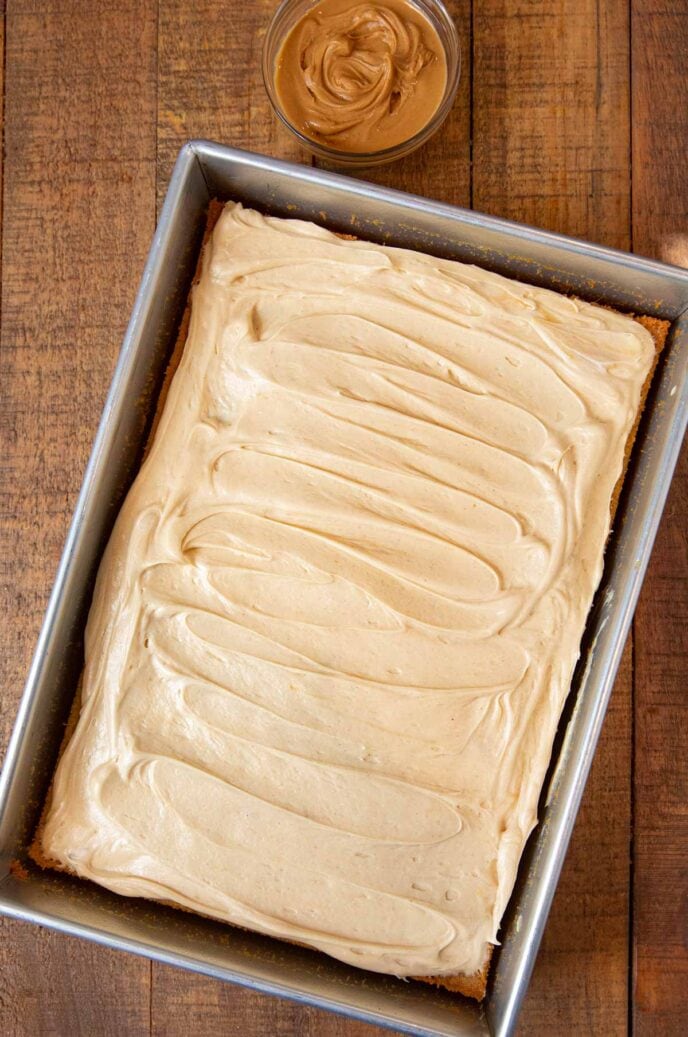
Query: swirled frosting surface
x=338, y=616
x=361, y=77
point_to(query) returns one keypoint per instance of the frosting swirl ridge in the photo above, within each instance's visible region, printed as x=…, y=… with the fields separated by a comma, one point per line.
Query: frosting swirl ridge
x=338, y=616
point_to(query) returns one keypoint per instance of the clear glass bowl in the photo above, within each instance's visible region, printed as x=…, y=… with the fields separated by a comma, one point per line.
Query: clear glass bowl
x=285, y=18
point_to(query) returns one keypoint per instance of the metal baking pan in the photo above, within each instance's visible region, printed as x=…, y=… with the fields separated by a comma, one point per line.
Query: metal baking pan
x=204, y=171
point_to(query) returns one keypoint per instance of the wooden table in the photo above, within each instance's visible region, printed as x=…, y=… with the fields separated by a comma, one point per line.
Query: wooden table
x=572, y=115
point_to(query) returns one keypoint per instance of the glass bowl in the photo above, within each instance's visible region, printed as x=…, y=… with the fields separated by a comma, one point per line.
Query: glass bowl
x=283, y=21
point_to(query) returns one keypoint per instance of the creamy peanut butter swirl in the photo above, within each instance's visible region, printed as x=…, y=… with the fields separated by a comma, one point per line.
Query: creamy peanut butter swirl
x=361, y=77
x=339, y=613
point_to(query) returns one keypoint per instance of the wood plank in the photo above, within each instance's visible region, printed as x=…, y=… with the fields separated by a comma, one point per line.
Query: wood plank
x=660, y=229
x=2, y=124
x=660, y=888
x=578, y=984
x=553, y=141
x=660, y=129
x=185, y=1004
x=53, y=984
x=209, y=80
x=551, y=115
x=550, y=147
x=79, y=211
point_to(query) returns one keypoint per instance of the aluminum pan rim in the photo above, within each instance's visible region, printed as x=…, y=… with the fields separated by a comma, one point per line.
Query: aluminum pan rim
x=201, y=152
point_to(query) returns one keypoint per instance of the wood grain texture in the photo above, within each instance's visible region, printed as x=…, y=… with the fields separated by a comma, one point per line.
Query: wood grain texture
x=551, y=114
x=94, y=93
x=660, y=887
x=579, y=985
x=660, y=871
x=79, y=180
x=551, y=139
x=54, y=985
x=185, y=1004
x=660, y=129
x=2, y=129
x=210, y=82
x=660, y=890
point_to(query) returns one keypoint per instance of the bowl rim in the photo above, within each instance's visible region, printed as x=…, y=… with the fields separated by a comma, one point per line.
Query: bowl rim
x=357, y=158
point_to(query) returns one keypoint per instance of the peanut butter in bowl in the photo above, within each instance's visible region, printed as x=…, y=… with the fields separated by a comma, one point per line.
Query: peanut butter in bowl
x=361, y=81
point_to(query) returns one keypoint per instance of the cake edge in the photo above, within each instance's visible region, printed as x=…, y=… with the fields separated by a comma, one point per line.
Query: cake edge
x=473, y=985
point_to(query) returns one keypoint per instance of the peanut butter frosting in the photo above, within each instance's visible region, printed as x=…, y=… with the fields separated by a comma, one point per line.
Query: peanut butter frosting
x=361, y=77
x=338, y=615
